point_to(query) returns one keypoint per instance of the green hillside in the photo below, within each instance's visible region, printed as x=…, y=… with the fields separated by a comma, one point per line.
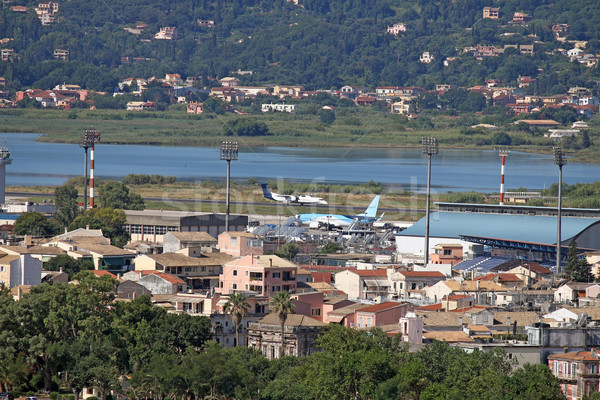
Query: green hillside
x=317, y=43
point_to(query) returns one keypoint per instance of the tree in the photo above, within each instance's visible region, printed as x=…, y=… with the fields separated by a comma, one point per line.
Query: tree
x=113, y=194
x=331, y=247
x=236, y=307
x=327, y=116
x=35, y=224
x=577, y=268
x=283, y=305
x=288, y=250
x=501, y=139
x=68, y=264
x=65, y=197
x=109, y=220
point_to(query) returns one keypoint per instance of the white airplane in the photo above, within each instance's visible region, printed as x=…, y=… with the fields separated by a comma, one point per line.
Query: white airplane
x=289, y=199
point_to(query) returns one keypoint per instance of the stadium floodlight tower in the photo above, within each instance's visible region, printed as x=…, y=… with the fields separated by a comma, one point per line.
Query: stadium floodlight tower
x=229, y=151
x=90, y=137
x=4, y=161
x=559, y=159
x=429, y=146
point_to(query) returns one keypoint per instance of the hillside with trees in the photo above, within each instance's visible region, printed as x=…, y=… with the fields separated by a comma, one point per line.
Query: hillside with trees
x=318, y=44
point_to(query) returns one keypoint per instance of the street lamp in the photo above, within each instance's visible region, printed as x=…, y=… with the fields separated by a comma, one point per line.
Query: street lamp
x=429, y=146
x=229, y=151
x=90, y=137
x=559, y=159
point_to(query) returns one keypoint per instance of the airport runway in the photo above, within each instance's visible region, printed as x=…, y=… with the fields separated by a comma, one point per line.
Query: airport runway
x=322, y=208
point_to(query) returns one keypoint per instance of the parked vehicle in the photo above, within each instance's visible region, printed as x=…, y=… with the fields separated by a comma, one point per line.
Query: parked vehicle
x=7, y=396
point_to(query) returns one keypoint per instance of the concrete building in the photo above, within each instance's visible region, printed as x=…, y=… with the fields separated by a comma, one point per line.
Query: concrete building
x=131, y=290
x=411, y=328
x=19, y=269
x=152, y=225
x=363, y=284
x=162, y=283
x=240, y=244
x=386, y=313
x=300, y=334
x=261, y=275
x=407, y=284
x=200, y=242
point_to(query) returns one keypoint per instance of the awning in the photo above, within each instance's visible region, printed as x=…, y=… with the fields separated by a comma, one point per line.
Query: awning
x=376, y=282
x=222, y=302
x=186, y=300
x=263, y=302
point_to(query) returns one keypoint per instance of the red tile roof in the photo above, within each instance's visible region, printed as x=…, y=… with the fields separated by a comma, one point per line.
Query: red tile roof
x=371, y=272
x=459, y=296
x=576, y=355
x=382, y=306
x=423, y=274
x=431, y=307
x=100, y=272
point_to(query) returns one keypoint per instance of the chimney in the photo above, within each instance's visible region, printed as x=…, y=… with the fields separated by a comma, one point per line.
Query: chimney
x=270, y=262
x=478, y=285
x=60, y=270
x=87, y=227
x=19, y=292
x=66, y=230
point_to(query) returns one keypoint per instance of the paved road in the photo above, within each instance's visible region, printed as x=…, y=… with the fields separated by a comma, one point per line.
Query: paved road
x=321, y=208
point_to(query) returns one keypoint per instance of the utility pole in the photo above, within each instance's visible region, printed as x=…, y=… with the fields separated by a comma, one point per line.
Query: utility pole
x=229, y=151
x=429, y=146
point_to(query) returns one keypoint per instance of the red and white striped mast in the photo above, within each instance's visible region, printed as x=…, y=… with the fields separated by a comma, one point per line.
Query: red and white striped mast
x=92, y=136
x=503, y=154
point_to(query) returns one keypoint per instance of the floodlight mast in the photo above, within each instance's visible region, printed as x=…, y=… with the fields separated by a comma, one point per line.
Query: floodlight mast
x=429, y=146
x=503, y=154
x=559, y=159
x=229, y=152
x=90, y=137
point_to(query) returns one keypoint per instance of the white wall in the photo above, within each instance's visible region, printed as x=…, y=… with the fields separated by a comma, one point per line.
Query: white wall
x=415, y=244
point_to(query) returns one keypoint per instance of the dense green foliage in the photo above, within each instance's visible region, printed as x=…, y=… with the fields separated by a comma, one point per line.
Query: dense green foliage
x=115, y=194
x=76, y=335
x=143, y=179
x=577, y=268
x=109, y=220
x=35, y=224
x=317, y=44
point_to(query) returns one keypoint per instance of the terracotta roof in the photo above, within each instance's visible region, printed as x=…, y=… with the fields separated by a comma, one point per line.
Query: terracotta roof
x=575, y=356
x=100, y=272
x=241, y=234
x=459, y=296
x=382, y=306
x=537, y=268
x=194, y=236
x=478, y=328
x=471, y=286
x=46, y=250
x=369, y=272
x=292, y=320
x=174, y=260
x=168, y=277
x=6, y=258
x=422, y=274
x=431, y=307
x=103, y=249
x=348, y=309
x=448, y=336
x=508, y=278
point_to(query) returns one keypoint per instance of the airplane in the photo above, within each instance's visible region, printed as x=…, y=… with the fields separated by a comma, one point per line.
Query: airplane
x=339, y=220
x=289, y=199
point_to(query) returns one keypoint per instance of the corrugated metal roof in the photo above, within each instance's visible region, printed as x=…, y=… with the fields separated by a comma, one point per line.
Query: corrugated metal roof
x=518, y=228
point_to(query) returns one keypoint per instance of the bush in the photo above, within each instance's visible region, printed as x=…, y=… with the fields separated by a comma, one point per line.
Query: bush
x=246, y=127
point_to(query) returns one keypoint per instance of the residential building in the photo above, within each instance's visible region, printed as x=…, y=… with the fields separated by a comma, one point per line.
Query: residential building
x=228, y=94
x=200, y=242
x=47, y=19
x=140, y=106
x=61, y=54
x=491, y=12
x=365, y=100
x=484, y=292
x=396, y=29
x=167, y=33
x=205, y=23
x=426, y=58
x=409, y=284
x=229, y=81
x=162, y=283
x=287, y=91
x=19, y=269
x=131, y=290
x=195, y=107
x=578, y=372
x=570, y=292
x=447, y=253
x=290, y=108
x=402, y=107
x=19, y=9
x=300, y=334
x=262, y=275
x=7, y=55
x=240, y=244
x=411, y=328
x=387, y=313
x=363, y=284
x=520, y=17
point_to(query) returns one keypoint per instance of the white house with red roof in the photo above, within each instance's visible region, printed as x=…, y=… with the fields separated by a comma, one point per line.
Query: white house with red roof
x=410, y=284
x=577, y=372
x=162, y=283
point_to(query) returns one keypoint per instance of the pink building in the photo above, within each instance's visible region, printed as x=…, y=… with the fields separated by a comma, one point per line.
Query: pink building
x=577, y=372
x=447, y=254
x=240, y=244
x=387, y=313
x=262, y=275
x=309, y=304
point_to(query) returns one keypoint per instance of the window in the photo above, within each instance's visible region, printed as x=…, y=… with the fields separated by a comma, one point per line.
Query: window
x=315, y=312
x=233, y=242
x=148, y=229
x=276, y=274
x=360, y=322
x=161, y=230
x=447, y=252
x=136, y=229
x=276, y=288
x=556, y=367
x=368, y=322
x=573, y=369
x=593, y=369
x=172, y=229
x=253, y=242
x=246, y=273
x=203, y=269
x=235, y=272
x=234, y=286
x=1, y=268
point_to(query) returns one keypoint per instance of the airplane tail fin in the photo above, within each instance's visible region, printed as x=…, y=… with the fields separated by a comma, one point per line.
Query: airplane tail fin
x=371, y=211
x=266, y=191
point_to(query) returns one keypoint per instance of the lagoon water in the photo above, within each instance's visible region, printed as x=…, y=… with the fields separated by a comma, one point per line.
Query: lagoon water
x=37, y=163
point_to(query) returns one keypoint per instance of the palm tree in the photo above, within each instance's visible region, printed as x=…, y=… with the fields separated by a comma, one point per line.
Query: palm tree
x=237, y=307
x=283, y=305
